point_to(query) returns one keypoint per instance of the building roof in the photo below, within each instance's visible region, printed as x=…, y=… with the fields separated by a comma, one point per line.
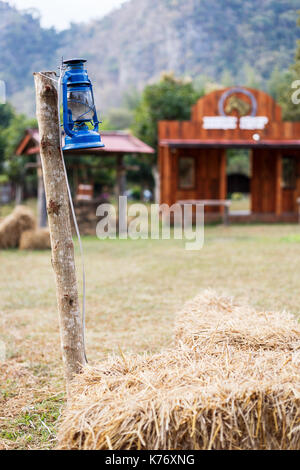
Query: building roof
x=114, y=141
x=119, y=142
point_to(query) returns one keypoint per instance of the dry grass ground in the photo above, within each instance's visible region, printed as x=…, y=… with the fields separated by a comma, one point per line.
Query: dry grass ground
x=134, y=288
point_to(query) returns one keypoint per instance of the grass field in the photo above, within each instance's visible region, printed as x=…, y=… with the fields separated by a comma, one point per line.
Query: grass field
x=133, y=291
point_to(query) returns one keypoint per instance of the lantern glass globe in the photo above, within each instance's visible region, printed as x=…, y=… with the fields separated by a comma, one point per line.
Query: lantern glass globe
x=81, y=105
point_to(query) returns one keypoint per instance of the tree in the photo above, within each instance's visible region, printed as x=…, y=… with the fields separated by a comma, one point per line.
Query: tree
x=14, y=166
x=280, y=86
x=296, y=65
x=6, y=116
x=169, y=99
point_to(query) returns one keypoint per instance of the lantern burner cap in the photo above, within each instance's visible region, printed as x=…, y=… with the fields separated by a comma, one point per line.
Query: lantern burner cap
x=74, y=61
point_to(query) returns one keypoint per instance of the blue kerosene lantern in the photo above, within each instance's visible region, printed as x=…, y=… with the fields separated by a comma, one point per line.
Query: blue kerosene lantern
x=79, y=108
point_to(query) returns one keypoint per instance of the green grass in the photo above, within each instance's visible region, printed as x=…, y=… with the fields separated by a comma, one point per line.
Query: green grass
x=34, y=427
x=243, y=204
x=134, y=289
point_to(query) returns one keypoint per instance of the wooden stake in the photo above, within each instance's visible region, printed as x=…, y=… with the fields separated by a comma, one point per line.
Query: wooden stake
x=59, y=223
x=42, y=209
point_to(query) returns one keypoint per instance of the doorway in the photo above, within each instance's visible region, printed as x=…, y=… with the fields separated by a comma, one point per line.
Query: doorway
x=238, y=172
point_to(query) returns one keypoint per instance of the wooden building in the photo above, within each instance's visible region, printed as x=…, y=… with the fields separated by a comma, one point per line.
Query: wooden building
x=192, y=154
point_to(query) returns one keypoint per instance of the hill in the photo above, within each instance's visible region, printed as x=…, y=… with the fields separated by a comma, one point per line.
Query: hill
x=24, y=47
x=237, y=41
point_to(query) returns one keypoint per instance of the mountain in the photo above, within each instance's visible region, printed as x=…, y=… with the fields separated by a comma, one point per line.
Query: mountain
x=24, y=48
x=240, y=39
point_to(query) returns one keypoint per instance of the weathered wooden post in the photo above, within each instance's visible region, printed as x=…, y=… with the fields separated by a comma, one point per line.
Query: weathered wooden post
x=42, y=209
x=63, y=262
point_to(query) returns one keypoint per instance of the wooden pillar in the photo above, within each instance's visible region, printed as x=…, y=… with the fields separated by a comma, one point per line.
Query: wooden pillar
x=41, y=203
x=121, y=176
x=278, y=180
x=161, y=174
x=223, y=176
x=223, y=182
x=169, y=198
x=19, y=194
x=120, y=183
x=63, y=262
x=156, y=177
x=252, y=183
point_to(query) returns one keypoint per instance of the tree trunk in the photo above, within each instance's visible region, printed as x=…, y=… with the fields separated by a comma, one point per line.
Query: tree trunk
x=60, y=227
x=42, y=207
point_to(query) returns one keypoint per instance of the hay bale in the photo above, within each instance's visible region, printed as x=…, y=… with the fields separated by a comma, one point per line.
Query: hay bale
x=38, y=239
x=12, y=227
x=211, y=319
x=218, y=395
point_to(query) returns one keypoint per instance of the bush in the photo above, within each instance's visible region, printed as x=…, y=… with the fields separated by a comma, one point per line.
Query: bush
x=237, y=196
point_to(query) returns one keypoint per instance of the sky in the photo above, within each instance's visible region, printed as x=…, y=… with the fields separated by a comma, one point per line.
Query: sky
x=60, y=13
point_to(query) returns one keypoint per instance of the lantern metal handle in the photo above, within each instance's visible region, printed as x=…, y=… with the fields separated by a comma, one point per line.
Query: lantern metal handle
x=65, y=105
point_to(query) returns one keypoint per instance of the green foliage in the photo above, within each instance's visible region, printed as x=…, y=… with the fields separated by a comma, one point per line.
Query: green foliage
x=12, y=165
x=227, y=79
x=280, y=86
x=6, y=116
x=102, y=172
x=296, y=65
x=237, y=197
x=251, y=78
x=169, y=99
x=4, y=179
x=118, y=119
x=281, y=89
x=238, y=161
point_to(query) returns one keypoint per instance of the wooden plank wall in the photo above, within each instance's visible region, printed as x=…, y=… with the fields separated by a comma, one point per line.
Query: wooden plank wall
x=263, y=182
x=189, y=130
x=210, y=175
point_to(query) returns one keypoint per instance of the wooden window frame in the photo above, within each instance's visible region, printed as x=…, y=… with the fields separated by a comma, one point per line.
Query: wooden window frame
x=293, y=185
x=194, y=185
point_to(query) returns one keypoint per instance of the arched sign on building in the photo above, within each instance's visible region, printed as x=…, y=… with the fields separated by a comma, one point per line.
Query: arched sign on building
x=192, y=154
x=237, y=108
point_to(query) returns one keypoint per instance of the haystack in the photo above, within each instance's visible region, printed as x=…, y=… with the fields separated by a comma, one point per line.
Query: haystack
x=210, y=320
x=12, y=227
x=226, y=384
x=38, y=239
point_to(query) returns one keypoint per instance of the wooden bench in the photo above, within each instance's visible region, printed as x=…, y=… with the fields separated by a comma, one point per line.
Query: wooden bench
x=211, y=202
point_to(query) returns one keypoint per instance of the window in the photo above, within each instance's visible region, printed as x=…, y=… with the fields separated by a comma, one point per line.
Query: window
x=186, y=172
x=288, y=173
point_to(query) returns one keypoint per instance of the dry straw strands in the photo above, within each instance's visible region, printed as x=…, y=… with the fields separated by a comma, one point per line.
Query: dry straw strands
x=38, y=239
x=230, y=382
x=12, y=227
x=208, y=320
